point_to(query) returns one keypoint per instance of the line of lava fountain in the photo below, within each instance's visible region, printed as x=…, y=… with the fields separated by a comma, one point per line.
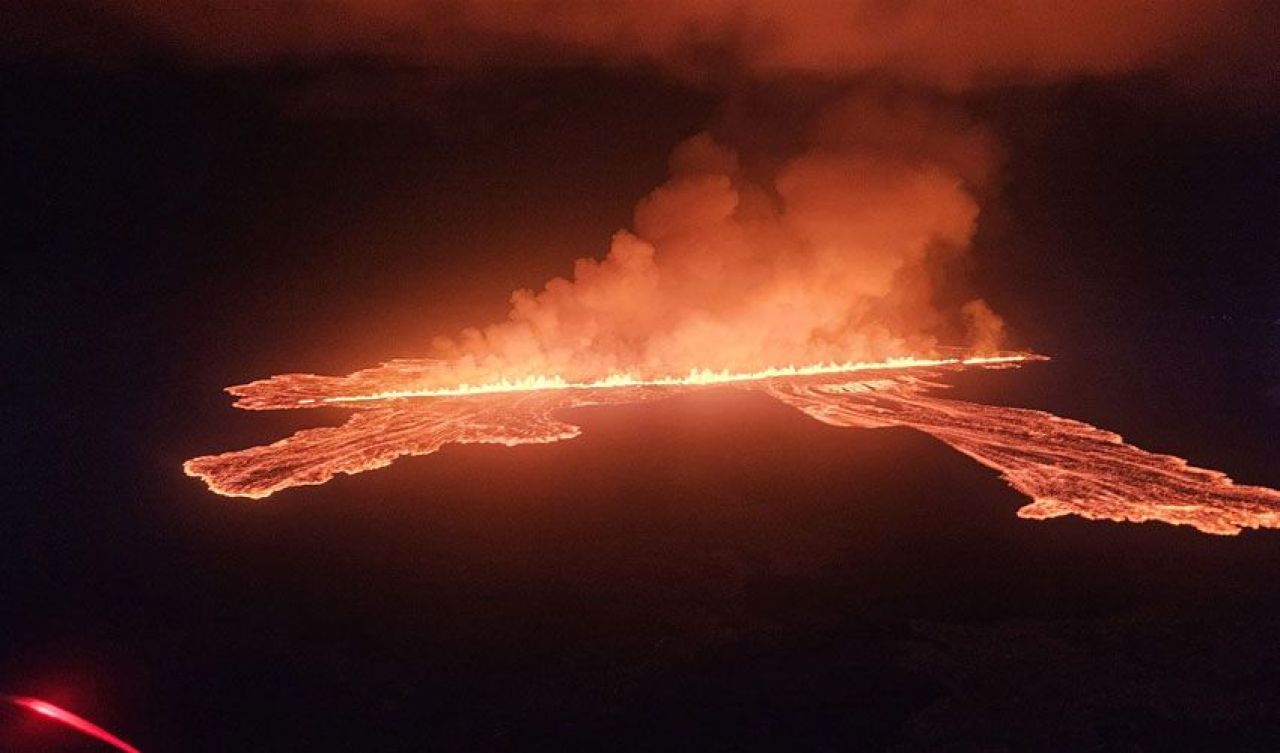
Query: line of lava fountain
x=695, y=378
x=1066, y=467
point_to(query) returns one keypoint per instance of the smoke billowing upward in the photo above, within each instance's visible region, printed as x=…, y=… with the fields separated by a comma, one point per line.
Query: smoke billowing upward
x=825, y=257
x=834, y=249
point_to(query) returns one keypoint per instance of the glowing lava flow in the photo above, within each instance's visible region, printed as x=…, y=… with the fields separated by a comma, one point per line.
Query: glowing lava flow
x=1066, y=467
x=79, y=724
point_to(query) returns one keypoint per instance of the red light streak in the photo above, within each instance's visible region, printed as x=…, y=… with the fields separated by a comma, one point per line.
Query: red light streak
x=68, y=719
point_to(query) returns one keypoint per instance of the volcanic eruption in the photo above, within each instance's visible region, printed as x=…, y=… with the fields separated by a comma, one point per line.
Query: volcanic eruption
x=822, y=261
x=819, y=294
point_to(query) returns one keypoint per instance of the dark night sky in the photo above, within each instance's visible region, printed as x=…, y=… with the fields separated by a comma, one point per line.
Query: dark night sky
x=668, y=581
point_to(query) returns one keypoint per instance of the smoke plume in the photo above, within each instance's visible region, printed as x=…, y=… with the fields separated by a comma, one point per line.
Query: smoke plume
x=826, y=257
x=831, y=251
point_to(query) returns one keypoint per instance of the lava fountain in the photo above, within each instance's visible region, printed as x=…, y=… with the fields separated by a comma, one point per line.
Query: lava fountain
x=1066, y=467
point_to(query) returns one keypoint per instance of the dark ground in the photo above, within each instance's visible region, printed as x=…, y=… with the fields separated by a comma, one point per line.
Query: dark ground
x=715, y=572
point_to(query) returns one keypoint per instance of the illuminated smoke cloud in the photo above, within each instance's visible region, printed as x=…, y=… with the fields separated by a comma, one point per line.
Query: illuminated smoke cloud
x=832, y=253
x=825, y=259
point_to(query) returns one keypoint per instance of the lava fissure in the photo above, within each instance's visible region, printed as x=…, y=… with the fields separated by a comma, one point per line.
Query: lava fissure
x=1066, y=467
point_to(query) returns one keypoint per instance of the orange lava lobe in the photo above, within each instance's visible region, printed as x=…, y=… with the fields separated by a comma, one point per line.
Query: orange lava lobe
x=1066, y=467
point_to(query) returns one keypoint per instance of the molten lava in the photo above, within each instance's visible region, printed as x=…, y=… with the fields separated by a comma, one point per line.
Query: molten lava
x=1066, y=467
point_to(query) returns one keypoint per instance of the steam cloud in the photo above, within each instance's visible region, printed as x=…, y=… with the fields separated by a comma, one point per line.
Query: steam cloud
x=829, y=253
